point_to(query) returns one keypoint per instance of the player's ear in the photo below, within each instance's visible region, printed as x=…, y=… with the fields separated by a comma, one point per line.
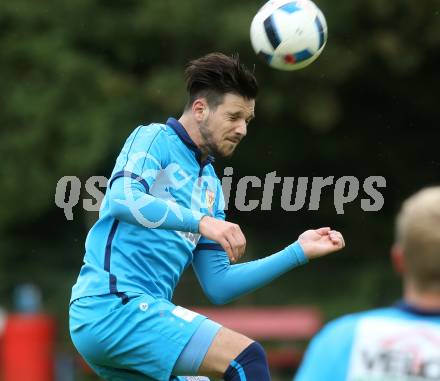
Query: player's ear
x=398, y=259
x=200, y=109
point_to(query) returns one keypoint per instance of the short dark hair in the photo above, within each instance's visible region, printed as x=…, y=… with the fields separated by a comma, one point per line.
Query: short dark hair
x=216, y=74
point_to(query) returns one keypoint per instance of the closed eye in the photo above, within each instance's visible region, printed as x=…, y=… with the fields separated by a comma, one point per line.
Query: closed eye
x=237, y=116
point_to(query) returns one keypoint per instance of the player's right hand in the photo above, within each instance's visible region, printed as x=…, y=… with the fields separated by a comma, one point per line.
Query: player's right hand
x=227, y=234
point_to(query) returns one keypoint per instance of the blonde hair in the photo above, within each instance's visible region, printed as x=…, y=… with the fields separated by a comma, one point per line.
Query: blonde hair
x=418, y=233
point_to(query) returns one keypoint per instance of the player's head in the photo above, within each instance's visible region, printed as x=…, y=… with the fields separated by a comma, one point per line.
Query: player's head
x=418, y=238
x=221, y=97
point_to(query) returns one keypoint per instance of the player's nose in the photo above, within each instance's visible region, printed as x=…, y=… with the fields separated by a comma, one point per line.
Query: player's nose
x=241, y=128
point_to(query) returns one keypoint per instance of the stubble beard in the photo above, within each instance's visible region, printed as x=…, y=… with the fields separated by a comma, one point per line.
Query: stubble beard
x=210, y=146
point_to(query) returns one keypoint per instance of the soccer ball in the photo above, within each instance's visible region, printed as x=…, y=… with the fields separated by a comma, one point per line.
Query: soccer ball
x=289, y=35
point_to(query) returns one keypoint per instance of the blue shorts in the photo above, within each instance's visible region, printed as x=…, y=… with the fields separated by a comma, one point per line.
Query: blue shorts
x=140, y=340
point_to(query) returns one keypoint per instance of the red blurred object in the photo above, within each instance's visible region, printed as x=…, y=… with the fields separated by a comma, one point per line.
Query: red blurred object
x=284, y=358
x=85, y=368
x=28, y=348
x=268, y=322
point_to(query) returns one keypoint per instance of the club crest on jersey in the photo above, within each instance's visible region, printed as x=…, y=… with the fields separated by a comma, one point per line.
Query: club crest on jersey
x=210, y=200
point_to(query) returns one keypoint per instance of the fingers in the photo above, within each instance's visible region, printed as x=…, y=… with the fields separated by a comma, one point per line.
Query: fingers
x=240, y=242
x=237, y=242
x=233, y=245
x=227, y=234
x=323, y=231
x=336, y=238
x=227, y=247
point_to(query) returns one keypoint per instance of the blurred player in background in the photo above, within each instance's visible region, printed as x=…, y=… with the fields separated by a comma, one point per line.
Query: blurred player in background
x=163, y=211
x=402, y=342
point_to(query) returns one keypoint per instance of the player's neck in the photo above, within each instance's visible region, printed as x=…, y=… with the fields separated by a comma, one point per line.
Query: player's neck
x=426, y=300
x=193, y=131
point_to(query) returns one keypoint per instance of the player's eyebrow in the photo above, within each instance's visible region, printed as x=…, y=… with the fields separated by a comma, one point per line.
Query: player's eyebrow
x=240, y=113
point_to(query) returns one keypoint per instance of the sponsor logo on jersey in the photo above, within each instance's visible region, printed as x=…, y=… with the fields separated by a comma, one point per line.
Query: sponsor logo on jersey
x=395, y=349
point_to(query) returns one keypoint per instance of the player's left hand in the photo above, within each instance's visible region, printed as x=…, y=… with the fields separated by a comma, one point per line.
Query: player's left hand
x=319, y=242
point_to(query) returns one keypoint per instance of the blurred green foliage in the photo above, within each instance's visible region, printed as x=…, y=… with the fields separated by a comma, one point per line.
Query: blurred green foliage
x=78, y=76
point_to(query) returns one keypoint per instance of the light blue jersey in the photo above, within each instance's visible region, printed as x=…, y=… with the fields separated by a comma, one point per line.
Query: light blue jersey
x=400, y=343
x=122, y=319
x=148, y=256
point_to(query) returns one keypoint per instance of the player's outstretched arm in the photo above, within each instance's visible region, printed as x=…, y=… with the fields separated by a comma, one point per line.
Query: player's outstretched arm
x=223, y=282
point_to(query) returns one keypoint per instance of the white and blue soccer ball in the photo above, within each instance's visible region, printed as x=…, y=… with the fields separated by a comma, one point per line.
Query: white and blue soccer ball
x=289, y=35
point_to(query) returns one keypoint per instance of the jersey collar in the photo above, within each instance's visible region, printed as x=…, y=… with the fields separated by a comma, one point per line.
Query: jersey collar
x=186, y=139
x=401, y=304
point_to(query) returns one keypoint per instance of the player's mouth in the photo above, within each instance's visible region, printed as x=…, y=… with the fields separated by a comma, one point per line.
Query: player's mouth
x=232, y=140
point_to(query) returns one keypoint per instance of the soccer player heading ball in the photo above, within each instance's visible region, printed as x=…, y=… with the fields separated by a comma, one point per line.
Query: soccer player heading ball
x=163, y=211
